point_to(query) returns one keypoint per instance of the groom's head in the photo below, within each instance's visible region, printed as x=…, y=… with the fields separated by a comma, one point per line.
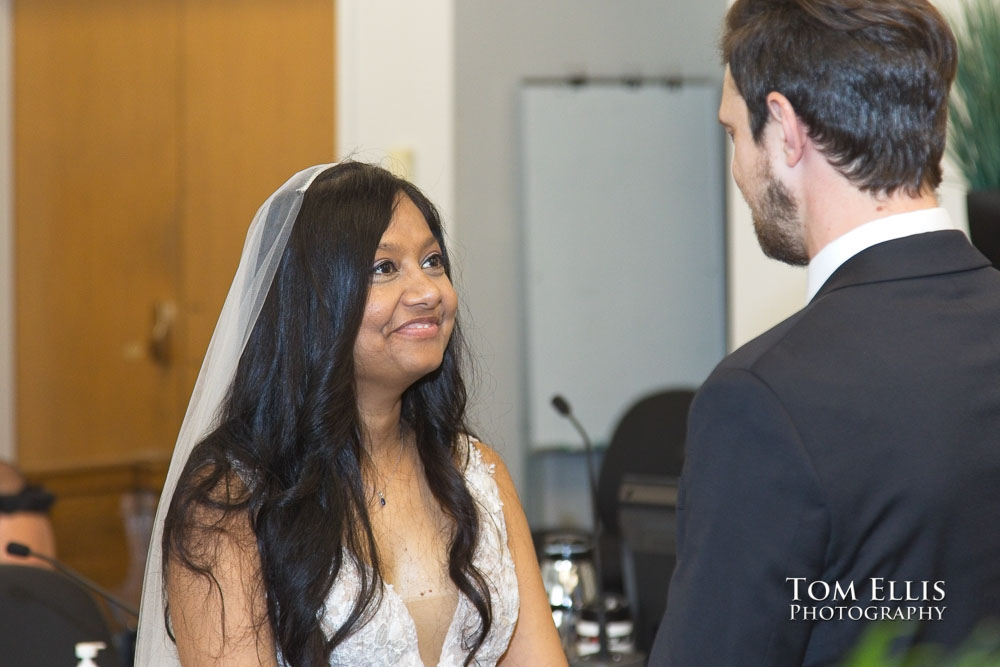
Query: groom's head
x=867, y=81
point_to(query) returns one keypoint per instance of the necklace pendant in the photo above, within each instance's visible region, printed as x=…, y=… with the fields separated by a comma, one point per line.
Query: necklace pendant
x=381, y=500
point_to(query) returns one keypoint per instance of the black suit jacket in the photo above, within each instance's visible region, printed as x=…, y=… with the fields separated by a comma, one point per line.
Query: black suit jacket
x=859, y=440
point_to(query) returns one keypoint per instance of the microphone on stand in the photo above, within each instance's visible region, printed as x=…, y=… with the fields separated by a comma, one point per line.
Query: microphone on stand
x=22, y=551
x=604, y=657
x=562, y=407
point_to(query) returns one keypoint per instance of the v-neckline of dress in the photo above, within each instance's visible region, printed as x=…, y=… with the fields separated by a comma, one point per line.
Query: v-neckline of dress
x=389, y=637
x=412, y=625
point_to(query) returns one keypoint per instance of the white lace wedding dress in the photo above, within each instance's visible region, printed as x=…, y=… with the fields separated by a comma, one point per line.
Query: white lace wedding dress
x=390, y=638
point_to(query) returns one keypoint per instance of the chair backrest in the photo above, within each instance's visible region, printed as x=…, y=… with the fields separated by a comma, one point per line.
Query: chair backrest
x=646, y=451
x=648, y=440
x=43, y=615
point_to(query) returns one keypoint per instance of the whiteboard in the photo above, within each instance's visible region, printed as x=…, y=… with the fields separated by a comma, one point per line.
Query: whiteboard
x=622, y=205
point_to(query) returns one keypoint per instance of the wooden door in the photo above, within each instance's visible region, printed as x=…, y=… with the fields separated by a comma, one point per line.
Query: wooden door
x=96, y=211
x=147, y=132
x=263, y=114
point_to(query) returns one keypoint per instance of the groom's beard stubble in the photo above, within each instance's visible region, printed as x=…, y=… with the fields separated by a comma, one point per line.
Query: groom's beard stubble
x=776, y=220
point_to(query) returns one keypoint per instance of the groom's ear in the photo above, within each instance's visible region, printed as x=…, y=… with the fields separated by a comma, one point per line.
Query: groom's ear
x=793, y=131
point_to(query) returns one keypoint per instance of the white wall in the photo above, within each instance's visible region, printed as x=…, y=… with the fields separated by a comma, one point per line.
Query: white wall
x=395, y=91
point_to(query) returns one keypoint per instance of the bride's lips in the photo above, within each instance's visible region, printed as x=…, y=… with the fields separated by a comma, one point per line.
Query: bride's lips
x=420, y=327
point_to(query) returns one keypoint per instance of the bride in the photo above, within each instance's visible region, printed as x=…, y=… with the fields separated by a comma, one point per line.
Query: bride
x=325, y=504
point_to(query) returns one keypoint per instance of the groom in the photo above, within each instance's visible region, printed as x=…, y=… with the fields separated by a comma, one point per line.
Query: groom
x=844, y=467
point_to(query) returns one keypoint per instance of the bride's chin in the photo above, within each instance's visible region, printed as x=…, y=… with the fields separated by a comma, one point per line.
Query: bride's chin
x=421, y=371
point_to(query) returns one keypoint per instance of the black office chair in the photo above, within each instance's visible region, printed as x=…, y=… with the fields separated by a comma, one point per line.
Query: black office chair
x=636, y=497
x=43, y=615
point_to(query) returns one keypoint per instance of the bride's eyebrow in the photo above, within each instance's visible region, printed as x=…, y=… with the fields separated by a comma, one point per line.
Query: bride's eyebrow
x=429, y=242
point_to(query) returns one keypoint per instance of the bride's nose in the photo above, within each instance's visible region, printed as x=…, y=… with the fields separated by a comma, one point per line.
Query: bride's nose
x=421, y=289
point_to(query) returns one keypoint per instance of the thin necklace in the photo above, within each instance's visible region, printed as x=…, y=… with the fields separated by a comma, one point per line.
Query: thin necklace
x=381, y=494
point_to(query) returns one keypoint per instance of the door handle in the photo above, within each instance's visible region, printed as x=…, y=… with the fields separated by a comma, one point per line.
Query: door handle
x=161, y=337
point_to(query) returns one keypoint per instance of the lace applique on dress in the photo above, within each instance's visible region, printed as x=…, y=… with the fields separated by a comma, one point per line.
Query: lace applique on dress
x=390, y=637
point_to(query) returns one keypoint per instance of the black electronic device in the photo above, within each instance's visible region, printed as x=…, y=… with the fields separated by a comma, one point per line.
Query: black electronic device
x=647, y=521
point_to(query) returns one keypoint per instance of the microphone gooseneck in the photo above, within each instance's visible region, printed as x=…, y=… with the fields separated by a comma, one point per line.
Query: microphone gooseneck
x=23, y=551
x=603, y=654
x=562, y=407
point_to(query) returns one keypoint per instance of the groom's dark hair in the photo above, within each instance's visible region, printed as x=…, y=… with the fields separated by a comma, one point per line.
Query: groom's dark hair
x=870, y=80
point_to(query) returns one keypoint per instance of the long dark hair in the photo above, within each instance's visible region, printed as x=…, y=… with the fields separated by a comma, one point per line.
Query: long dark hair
x=289, y=451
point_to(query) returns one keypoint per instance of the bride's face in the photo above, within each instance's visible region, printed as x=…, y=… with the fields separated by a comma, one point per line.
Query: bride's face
x=411, y=306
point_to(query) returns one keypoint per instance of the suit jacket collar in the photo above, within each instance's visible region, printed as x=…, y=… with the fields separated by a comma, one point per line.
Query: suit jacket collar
x=933, y=253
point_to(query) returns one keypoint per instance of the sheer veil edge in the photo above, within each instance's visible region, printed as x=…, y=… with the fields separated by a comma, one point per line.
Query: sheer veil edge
x=262, y=251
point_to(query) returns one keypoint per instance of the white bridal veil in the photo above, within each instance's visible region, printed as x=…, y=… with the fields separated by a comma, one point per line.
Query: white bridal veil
x=262, y=251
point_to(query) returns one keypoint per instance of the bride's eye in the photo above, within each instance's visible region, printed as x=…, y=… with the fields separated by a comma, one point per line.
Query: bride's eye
x=434, y=261
x=383, y=268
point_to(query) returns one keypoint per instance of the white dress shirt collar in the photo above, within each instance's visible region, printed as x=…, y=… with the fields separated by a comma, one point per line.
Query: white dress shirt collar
x=842, y=248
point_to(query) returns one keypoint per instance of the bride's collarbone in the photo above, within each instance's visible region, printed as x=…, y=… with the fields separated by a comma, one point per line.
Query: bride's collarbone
x=412, y=535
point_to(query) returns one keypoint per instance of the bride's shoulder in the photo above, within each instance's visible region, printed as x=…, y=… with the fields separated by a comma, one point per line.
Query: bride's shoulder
x=482, y=455
x=476, y=453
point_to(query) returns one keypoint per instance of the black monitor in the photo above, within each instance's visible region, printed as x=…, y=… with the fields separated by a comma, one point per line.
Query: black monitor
x=647, y=519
